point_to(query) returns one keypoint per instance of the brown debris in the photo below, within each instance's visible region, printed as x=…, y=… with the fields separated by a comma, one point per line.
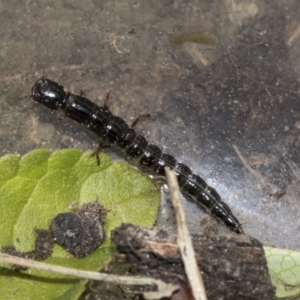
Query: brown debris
x=234, y=267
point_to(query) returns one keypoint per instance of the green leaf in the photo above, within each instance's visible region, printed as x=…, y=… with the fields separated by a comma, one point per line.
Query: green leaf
x=41, y=184
x=284, y=269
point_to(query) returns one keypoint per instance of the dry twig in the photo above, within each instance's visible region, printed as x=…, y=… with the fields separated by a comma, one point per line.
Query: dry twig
x=163, y=289
x=184, y=240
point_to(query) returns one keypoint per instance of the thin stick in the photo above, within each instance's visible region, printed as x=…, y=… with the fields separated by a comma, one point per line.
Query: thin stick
x=263, y=180
x=163, y=289
x=184, y=240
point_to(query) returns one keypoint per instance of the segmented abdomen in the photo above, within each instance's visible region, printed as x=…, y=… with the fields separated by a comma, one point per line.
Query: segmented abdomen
x=115, y=131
